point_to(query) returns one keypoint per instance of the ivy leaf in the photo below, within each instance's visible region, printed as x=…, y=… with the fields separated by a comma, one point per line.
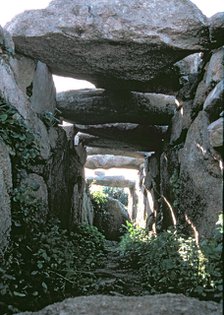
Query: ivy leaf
x=3, y=117
x=44, y=286
x=15, y=293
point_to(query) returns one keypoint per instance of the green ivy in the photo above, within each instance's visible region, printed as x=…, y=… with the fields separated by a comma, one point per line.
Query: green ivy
x=172, y=262
x=51, y=119
x=116, y=193
x=49, y=265
x=14, y=131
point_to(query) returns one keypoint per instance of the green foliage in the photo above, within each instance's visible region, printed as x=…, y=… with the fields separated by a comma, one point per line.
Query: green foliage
x=49, y=265
x=50, y=119
x=116, y=193
x=44, y=263
x=15, y=133
x=172, y=262
x=26, y=210
x=98, y=198
x=132, y=239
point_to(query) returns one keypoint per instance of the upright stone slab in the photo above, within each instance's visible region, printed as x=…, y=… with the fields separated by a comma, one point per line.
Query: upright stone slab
x=112, y=43
x=201, y=178
x=43, y=97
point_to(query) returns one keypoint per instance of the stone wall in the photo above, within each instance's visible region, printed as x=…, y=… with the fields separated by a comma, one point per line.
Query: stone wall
x=191, y=165
x=56, y=177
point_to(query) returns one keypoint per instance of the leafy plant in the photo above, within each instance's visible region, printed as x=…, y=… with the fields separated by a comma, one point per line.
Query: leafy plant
x=172, y=262
x=49, y=265
x=116, y=193
x=24, y=146
x=44, y=263
x=51, y=119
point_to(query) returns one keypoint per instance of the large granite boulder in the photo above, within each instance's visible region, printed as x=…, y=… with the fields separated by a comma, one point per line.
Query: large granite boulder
x=141, y=137
x=102, y=106
x=213, y=104
x=110, y=218
x=111, y=43
x=200, y=178
x=135, y=154
x=109, y=161
x=213, y=74
x=169, y=304
x=216, y=23
x=215, y=130
x=11, y=91
x=112, y=181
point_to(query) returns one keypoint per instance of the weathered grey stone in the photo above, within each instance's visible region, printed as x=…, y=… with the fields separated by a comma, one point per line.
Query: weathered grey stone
x=215, y=130
x=70, y=132
x=136, y=154
x=214, y=73
x=24, y=69
x=189, y=67
x=213, y=104
x=87, y=207
x=109, y=161
x=41, y=133
x=65, y=180
x=129, y=134
x=1, y=36
x=181, y=121
x=169, y=304
x=102, y=106
x=100, y=142
x=5, y=190
x=201, y=178
x=94, y=40
x=11, y=91
x=152, y=171
x=216, y=29
x=111, y=219
x=6, y=43
x=38, y=190
x=111, y=181
x=43, y=97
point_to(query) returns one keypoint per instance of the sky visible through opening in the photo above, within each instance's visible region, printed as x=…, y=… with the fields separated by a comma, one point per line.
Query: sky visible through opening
x=10, y=8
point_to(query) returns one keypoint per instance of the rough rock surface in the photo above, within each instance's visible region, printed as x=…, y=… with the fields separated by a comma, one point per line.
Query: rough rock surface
x=214, y=73
x=110, y=220
x=201, y=177
x=90, y=107
x=65, y=181
x=109, y=161
x=169, y=304
x=24, y=69
x=112, y=181
x=216, y=28
x=5, y=200
x=215, y=130
x=43, y=97
x=94, y=151
x=99, y=142
x=129, y=134
x=87, y=208
x=213, y=104
x=109, y=43
x=11, y=91
x=181, y=121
